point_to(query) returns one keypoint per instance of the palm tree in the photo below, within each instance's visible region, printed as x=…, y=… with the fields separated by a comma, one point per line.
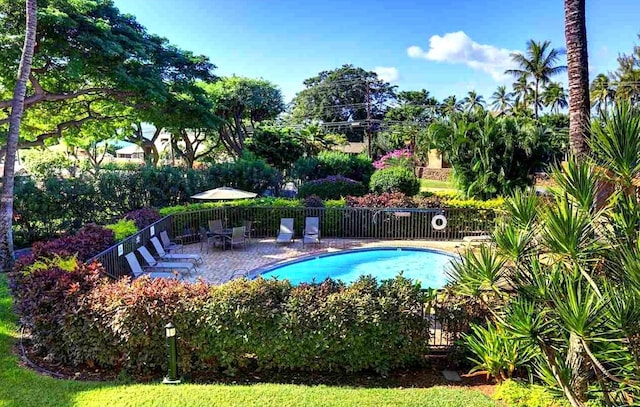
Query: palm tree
x=451, y=105
x=522, y=90
x=502, y=101
x=473, y=102
x=15, y=118
x=555, y=97
x=540, y=62
x=575, y=33
x=602, y=93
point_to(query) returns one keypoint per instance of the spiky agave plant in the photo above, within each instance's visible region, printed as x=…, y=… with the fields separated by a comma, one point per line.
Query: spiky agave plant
x=573, y=271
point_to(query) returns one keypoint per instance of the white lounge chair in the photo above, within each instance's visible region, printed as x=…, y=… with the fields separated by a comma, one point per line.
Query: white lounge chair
x=169, y=246
x=311, y=234
x=285, y=235
x=165, y=265
x=196, y=258
x=138, y=271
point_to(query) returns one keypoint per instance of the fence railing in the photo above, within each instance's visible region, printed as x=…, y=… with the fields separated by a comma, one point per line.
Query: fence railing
x=113, y=260
x=354, y=223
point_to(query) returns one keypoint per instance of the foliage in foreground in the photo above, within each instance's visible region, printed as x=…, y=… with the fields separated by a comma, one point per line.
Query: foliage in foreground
x=574, y=267
x=76, y=317
x=24, y=388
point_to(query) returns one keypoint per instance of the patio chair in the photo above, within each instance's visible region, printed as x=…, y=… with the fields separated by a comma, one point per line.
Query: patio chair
x=169, y=246
x=165, y=265
x=237, y=236
x=247, y=225
x=215, y=226
x=138, y=271
x=285, y=235
x=209, y=241
x=163, y=255
x=311, y=234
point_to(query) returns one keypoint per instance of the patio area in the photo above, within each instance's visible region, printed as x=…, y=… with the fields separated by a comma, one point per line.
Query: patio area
x=222, y=265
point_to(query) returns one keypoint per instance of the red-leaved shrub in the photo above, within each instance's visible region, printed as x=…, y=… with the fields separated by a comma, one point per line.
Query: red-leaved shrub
x=85, y=243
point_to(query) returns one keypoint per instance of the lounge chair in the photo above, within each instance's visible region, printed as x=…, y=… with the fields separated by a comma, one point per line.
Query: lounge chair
x=237, y=236
x=169, y=246
x=138, y=271
x=285, y=235
x=215, y=226
x=311, y=234
x=165, y=265
x=163, y=255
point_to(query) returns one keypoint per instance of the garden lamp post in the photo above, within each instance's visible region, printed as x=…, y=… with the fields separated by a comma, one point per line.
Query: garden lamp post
x=170, y=333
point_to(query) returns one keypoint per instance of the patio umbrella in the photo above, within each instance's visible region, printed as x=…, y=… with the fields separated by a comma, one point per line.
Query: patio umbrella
x=223, y=193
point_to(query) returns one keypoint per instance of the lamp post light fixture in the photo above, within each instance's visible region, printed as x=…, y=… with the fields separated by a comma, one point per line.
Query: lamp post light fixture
x=170, y=333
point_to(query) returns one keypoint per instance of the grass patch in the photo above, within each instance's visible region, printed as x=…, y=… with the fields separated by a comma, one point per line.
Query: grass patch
x=20, y=387
x=434, y=185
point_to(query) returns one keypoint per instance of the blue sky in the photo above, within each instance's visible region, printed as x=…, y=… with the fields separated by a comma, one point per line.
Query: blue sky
x=446, y=47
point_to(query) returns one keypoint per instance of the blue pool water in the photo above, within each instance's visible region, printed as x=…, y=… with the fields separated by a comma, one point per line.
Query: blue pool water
x=426, y=266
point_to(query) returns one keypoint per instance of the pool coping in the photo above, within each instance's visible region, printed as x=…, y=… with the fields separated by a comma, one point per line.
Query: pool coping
x=257, y=272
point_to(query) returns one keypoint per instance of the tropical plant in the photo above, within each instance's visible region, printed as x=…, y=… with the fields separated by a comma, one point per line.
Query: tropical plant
x=522, y=91
x=395, y=179
x=540, y=61
x=565, y=277
x=555, y=97
x=501, y=100
x=602, y=92
x=451, y=105
x=575, y=33
x=473, y=102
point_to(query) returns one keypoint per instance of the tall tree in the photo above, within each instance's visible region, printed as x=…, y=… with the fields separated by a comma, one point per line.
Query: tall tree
x=15, y=117
x=502, y=100
x=602, y=93
x=451, y=105
x=627, y=76
x=242, y=103
x=343, y=96
x=555, y=97
x=522, y=91
x=69, y=85
x=540, y=61
x=575, y=33
x=473, y=102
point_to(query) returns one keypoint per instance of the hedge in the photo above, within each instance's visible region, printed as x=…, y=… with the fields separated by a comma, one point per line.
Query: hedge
x=395, y=179
x=77, y=318
x=332, y=187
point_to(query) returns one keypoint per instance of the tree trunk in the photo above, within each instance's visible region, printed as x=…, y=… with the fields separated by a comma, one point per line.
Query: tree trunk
x=575, y=32
x=535, y=99
x=17, y=109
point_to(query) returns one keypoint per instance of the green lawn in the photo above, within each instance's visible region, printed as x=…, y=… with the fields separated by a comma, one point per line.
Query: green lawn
x=20, y=387
x=433, y=185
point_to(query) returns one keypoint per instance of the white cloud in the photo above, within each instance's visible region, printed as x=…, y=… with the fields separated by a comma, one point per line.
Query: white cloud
x=459, y=48
x=387, y=73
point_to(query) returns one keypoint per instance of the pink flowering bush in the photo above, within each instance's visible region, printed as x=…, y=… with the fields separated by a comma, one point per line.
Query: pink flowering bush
x=397, y=158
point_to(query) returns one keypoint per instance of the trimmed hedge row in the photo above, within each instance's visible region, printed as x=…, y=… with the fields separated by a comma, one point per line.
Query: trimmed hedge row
x=78, y=318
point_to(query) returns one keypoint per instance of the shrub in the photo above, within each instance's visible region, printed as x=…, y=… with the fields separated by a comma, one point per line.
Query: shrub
x=332, y=187
x=244, y=324
x=313, y=201
x=384, y=200
x=86, y=243
x=327, y=163
x=397, y=158
x=395, y=179
x=517, y=394
x=123, y=229
x=143, y=217
x=247, y=172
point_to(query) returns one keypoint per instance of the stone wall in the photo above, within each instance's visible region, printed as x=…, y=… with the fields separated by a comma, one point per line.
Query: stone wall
x=438, y=174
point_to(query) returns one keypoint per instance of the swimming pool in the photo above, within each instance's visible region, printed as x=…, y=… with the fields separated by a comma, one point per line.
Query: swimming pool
x=424, y=265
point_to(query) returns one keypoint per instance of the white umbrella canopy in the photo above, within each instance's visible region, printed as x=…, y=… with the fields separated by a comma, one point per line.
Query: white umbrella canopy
x=223, y=193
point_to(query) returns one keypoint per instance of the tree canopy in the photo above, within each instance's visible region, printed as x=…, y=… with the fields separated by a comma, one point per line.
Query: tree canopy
x=242, y=103
x=89, y=59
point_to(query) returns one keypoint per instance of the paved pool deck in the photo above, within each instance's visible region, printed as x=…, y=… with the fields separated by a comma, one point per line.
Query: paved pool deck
x=222, y=265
